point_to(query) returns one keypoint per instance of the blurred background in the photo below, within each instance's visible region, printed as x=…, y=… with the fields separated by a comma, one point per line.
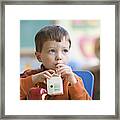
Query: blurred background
x=84, y=35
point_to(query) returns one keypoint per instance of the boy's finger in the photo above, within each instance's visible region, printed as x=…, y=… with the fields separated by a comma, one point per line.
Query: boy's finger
x=61, y=68
x=46, y=76
x=64, y=67
x=47, y=73
x=51, y=71
x=64, y=72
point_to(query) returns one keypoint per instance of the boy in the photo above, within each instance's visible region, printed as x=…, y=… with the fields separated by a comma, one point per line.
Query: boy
x=52, y=49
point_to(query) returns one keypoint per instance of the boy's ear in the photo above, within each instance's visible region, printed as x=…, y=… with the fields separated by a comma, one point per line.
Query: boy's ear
x=38, y=56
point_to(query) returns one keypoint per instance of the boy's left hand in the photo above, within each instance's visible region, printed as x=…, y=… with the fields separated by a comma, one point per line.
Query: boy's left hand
x=66, y=71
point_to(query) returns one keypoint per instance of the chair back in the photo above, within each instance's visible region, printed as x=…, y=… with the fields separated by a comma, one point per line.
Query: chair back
x=88, y=80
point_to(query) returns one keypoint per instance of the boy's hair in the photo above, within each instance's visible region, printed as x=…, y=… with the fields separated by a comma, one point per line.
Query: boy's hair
x=50, y=33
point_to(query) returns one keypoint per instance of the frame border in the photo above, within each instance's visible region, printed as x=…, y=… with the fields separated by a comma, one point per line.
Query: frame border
x=117, y=57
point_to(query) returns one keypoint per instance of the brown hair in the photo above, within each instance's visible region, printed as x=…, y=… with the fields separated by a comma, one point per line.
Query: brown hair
x=50, y=33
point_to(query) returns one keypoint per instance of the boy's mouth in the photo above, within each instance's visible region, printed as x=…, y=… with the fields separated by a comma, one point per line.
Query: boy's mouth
x=57, y=64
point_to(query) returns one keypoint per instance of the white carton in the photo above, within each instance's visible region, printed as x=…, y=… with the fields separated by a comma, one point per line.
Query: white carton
x=55, y=85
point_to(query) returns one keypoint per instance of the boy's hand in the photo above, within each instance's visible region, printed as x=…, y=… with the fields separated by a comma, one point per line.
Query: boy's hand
x=42, y=76
x=65, y=70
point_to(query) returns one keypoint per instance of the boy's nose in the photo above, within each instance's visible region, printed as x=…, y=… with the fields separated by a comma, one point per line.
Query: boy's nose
x=58, y=59
x=59, y=56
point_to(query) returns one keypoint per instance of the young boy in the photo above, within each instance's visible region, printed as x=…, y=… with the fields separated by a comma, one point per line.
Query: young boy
x=52, y=49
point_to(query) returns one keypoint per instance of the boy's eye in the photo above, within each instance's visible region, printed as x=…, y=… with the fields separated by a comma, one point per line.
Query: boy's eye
x=65, y=51
x=52, y=51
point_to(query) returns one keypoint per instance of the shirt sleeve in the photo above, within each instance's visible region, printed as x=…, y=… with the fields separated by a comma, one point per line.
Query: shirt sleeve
x=77, y=91
x=25, y=85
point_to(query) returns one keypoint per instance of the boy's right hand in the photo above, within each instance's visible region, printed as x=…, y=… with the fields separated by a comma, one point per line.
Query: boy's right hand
x=42, y=76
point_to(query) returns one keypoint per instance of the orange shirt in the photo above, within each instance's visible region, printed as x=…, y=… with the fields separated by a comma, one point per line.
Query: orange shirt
x=70, y=91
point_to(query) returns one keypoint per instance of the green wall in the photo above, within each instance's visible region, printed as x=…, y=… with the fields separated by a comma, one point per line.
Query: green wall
x=28, y=29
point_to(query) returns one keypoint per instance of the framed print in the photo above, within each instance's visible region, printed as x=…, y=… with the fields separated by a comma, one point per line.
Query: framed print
x=94, y=33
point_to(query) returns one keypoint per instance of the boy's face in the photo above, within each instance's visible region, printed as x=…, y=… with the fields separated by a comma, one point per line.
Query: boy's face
x=54, y=53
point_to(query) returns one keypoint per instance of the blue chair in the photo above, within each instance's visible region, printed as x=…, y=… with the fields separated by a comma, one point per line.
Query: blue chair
x=88, y=80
